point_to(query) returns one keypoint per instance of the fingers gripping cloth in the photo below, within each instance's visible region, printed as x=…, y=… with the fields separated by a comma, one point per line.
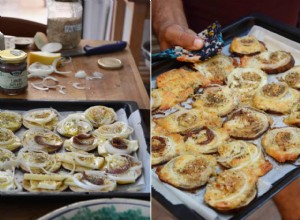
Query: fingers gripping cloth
x=213, y=43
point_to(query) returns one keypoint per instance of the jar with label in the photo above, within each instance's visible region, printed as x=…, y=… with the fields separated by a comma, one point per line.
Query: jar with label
x=13, y=71
x=65, y=22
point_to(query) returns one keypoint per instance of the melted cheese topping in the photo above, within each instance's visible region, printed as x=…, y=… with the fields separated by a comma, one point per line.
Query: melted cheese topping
x=245, y=82
x=271, y=62
x=186, y=119
x=246, y=45
x=109, y=147
x=216, y=69
x=73, y=125
x=156, y=99
x=91, y=181
x=71, y=145
x=40, y=118
x=42, y=139
x=180, y=79
x=44, y=182
x=164, y=147
x=8, y=160
x=276, y=97
x=176, y=86
x=218, y=99
x=283, y=144
x=294, y=117
x=203, y=141
x=9, y=140
x=230, y=190
x=82, y=159
x=169, y=98
x=100, y=115
x=188, y=171
x=243, y=155
x=8, y=181
x=123, y=168
x=10, y=120
x=34, y=161
x=247, y=123
x=117, y=129
x=292, y=77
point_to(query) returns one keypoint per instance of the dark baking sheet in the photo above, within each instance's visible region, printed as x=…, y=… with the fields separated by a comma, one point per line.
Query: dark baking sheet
x=24, y=105
x=238, y=28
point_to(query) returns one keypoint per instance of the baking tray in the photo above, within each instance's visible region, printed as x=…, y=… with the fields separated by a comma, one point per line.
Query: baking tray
x=24, y=105
x=239, y=28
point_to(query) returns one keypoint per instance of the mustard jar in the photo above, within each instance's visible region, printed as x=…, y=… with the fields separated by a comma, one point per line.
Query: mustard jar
x=13, y=71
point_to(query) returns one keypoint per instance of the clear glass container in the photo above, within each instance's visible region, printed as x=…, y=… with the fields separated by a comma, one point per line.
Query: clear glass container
x=65, y=22
x=13, y=72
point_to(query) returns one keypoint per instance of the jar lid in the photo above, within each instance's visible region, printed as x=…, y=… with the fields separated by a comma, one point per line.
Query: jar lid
x=110, y=63
x=12, y=55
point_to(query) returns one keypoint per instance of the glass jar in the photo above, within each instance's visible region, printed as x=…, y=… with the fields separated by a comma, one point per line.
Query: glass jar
x=13, y=71
x=65, y=22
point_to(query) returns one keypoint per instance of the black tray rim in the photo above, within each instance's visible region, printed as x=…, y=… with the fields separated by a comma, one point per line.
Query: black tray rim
x=60, y=105
x=131, y=105
x=181, y=211
x=269, y=23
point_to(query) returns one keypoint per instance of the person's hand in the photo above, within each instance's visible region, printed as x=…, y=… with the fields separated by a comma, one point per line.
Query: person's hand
x=176, y=35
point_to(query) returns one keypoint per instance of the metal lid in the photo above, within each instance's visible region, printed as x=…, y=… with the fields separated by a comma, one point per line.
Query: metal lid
x=110, y=63
x=12, y=56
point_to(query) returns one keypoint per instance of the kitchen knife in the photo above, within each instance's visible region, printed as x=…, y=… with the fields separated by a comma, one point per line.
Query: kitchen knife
x=89, y=50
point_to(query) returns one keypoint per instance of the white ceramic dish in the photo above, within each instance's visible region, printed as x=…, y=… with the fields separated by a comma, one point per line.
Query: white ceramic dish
x=94, y=209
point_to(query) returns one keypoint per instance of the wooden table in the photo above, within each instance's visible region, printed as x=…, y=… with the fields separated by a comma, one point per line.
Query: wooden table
x=123, y=84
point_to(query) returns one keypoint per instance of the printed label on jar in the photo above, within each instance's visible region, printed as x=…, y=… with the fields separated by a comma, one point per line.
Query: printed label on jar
x=73, y=28
x=13, y=80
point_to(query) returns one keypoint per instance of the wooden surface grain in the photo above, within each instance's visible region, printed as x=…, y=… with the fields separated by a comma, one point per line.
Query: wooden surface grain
x=124, y=84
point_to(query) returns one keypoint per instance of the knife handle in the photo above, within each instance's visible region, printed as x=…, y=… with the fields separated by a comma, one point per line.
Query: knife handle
x=107, y=48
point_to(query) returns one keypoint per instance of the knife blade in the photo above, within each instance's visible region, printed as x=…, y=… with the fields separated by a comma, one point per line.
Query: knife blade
x=89, y=50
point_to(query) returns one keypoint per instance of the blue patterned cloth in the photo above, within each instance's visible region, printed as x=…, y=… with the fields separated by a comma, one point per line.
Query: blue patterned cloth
x=213, y=43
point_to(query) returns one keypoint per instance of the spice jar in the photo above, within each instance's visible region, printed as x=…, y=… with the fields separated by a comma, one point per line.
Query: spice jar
x=65, y=22
x=13, y=73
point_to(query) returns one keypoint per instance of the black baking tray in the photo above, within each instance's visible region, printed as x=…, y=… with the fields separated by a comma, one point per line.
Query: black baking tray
x=24, y=105
x=239, y=28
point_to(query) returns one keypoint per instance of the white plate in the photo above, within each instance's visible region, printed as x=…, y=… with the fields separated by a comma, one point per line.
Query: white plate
x=92, y=208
